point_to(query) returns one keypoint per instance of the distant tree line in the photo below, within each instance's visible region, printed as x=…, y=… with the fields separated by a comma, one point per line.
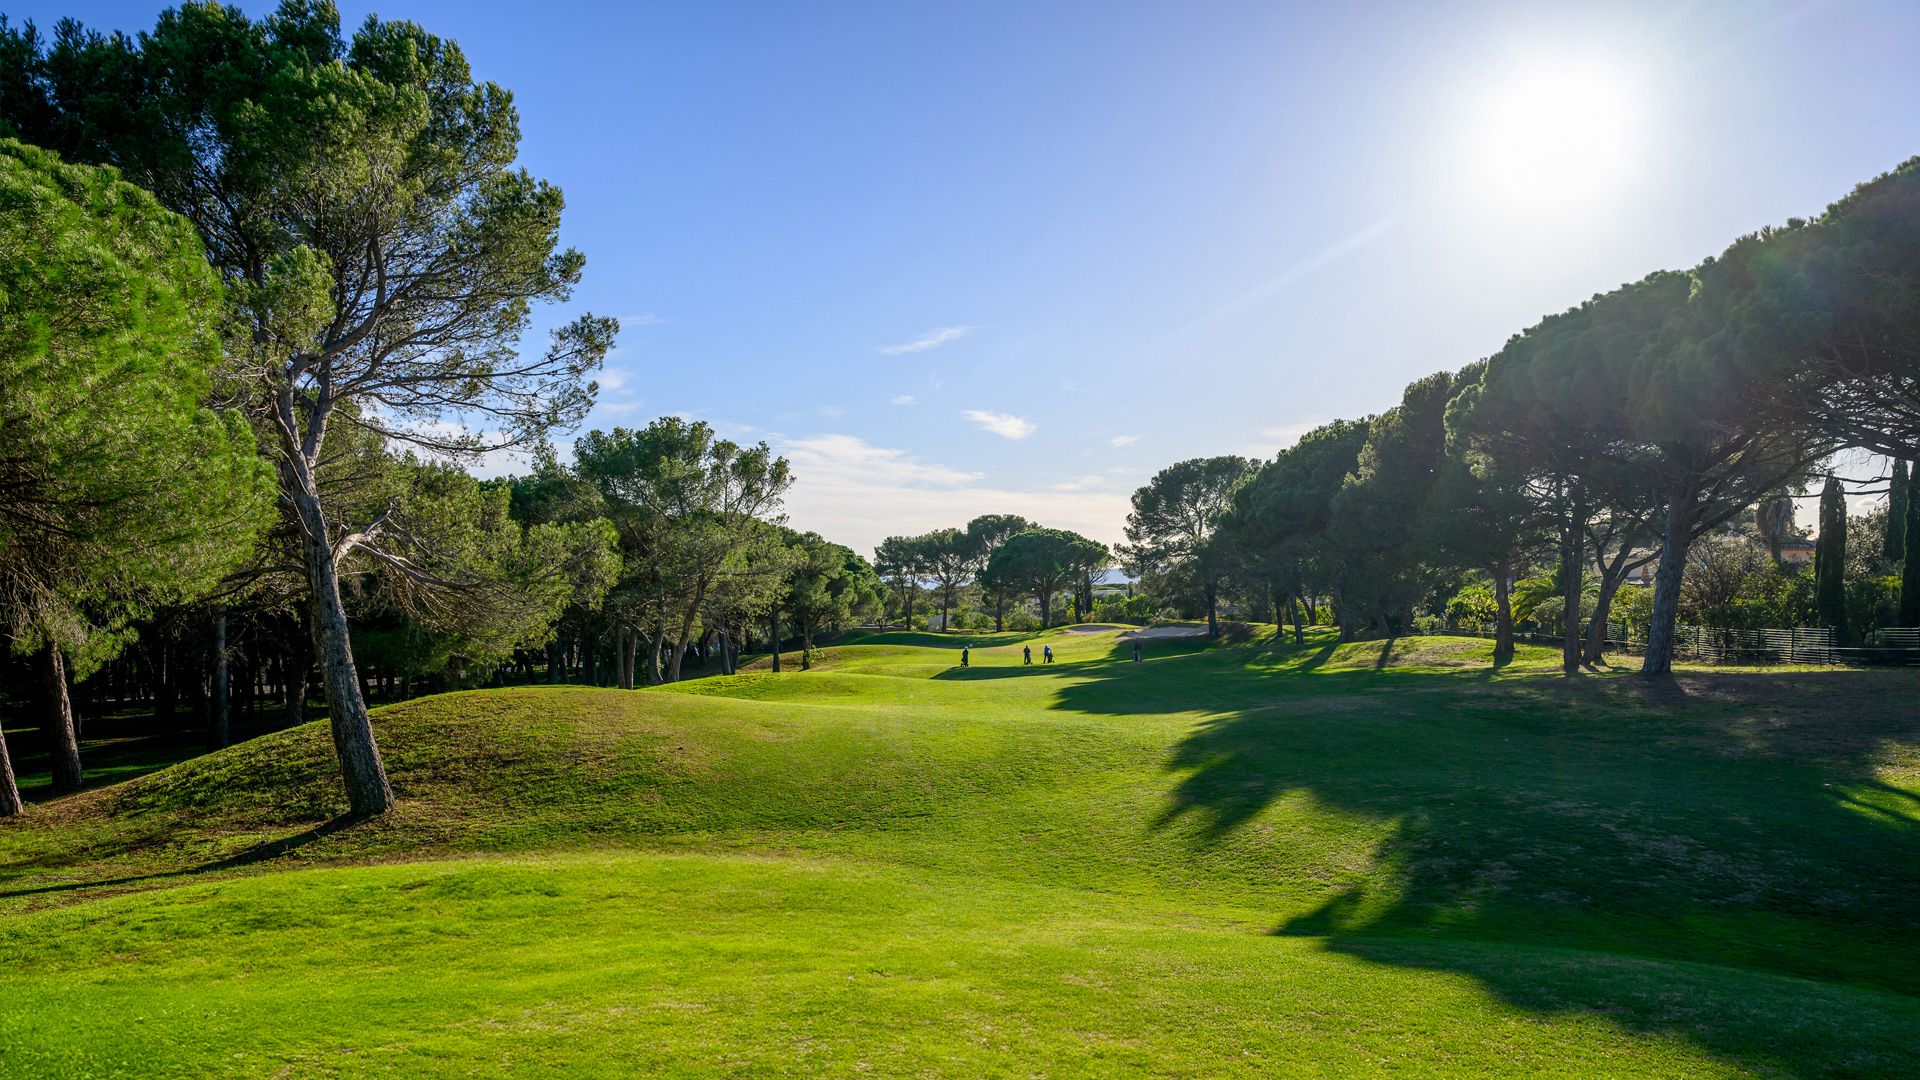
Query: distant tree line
x=1676, y=410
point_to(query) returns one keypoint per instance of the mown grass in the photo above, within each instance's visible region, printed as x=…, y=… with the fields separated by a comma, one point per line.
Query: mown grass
x=1252, y=859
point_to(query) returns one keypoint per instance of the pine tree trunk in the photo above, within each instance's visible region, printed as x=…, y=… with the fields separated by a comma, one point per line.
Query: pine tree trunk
x=299, y=662
x=1046, y=607
x=360, y=767
x=1502, y=615
x=219, y=718
x=1897, y=496
x=1611, y=577
x=10, y=804
x=654, y=644
x=165, y=688
x=1910, y=563
x=773, y=639
x=1666, y=579
x=63, y=745
x=1573, y=563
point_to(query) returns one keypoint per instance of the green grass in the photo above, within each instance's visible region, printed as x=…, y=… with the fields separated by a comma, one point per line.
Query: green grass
x=1247, y=859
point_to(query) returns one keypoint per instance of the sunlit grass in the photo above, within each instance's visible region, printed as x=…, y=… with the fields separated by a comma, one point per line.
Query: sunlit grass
x=1251, y=859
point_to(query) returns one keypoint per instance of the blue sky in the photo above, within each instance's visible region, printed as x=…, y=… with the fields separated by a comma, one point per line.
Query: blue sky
x=1015, y=257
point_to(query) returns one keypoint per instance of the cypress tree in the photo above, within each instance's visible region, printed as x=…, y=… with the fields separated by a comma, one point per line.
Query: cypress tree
x=1910, y=571
x=1897, y=497
x=1829, y=560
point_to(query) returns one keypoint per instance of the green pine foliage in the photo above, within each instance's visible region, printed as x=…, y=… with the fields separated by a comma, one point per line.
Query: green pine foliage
x=119, y=489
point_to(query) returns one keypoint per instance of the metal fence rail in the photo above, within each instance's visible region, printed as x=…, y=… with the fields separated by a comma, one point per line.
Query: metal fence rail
x=1788, y=645
x=1726, y=645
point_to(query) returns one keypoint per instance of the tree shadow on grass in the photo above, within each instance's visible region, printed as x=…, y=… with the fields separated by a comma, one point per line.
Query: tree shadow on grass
x=265, y=851
x=1737, y=819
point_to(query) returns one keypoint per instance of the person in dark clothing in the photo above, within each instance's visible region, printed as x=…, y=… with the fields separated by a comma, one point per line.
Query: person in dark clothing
x=1026, y=652
x=1136, y=650
x=1046, y=652
x=963, y=656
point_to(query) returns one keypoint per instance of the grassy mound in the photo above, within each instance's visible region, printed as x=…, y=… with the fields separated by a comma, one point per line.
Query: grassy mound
x=1218, y=860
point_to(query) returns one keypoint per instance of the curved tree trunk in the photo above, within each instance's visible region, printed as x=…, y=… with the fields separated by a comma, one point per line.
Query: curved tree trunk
x=1666, y=579
x=1910, y=563
x=10, y=804
x=1502, y=614
x=63, y=745
x=366, y=778
x=1213, y=605
x=1573, y=564
x=686, y=633
x=1612, y=576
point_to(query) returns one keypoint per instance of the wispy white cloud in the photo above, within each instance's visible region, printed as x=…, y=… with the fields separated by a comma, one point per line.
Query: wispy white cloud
x=611, y=379
x=648, y=319
x=1272, y=440
x=902, y=399
x=620, y=408
x=1005, y=425
x=833, y=411
x=850, y=457
x=856, y=493
x=932, y=339
x=1078, y=483
x=1124, y=440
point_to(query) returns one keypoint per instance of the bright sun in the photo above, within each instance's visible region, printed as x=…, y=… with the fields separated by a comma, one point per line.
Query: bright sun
x=1554, y=136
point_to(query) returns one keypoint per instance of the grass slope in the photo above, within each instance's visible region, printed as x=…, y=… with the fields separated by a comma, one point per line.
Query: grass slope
x=1249, y=859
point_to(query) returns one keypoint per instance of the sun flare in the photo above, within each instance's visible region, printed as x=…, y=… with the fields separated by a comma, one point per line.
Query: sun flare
x=1555, y=136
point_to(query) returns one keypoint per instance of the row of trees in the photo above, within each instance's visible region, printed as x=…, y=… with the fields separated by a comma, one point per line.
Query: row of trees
x=1611, y=436
x=262, y=291
x=1001, y=556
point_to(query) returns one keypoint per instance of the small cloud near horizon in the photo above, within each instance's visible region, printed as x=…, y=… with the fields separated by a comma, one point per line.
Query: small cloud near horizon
x=932, y=339
x=858, y=493
x=1005, y=425
x=1124, y=440
x=1078, y=483
x=1275, y=439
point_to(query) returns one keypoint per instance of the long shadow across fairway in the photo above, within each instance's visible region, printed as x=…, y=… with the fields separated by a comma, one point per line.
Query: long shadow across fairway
x=1739, y=819
x=259, y=853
